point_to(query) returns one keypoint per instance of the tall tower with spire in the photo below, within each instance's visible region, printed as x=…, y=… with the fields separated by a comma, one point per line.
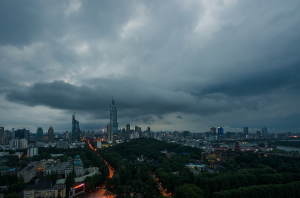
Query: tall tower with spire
x=75, y=129
x=113, y=118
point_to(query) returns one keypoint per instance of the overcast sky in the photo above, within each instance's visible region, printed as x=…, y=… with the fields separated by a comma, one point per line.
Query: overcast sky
x=171, y=65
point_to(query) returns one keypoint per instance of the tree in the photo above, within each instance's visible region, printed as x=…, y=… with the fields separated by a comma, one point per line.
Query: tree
x=188, y=190
x=12, y=195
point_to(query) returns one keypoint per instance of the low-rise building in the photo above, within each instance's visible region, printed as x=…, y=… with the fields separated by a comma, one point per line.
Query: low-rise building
x=45, y=189
x=31, y=170
x=65, y=168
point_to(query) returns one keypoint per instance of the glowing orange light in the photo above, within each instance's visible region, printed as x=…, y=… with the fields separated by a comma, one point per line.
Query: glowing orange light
x=79, y=186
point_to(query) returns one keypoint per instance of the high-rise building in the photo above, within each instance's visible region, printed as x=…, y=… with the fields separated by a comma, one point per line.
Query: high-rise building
x=257, y=135
x=264, y=132
x=75, y=129
x=110, y=135
x=18, y=143
x=114, y=118
x=220, y=132
x=3, y=137
x=213, y=131
x=22, y=134
x=136, y=129
x=67, y=136
x=50, y=134
x=1, y=132
x=245, y=130
x=127, y=136
x=39, y=134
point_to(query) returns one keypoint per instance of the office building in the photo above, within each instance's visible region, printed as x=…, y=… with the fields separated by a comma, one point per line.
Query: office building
x=213, y=131
x=220, y=132
x=75, y=129
x=110, y=135
x=18, y=143
x=67, y=135
x=45, y=189
x=3, y=137
x=114, y=118
x=245, y=131
x=264, y=132
x=22, y=134
x=257, y=135
x=127, y=132
x=31, y=170
x=50, y=134
x=65, y=168
x=39, y=134
x=32, y=151
x=99, y=144
x=1, y=132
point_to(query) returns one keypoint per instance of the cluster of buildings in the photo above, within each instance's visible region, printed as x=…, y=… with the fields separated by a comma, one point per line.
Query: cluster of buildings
x=21, y=138
x=62, y=169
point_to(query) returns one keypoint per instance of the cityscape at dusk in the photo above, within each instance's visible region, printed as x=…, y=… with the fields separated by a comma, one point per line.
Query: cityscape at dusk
x=140, y=99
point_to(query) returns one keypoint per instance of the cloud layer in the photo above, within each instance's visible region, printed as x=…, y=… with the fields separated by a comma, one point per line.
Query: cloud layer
x=171, y=65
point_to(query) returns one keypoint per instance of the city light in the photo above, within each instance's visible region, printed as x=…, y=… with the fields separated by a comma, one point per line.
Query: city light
x=79, y=186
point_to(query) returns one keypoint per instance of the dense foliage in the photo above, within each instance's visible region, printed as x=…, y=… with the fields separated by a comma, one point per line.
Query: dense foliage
x=246, y=175
x=132, y=176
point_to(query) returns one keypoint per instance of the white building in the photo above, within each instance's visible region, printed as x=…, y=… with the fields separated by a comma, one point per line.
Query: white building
x=18, y=143
x=32, y=151
x=65, y=168
x=99, y=144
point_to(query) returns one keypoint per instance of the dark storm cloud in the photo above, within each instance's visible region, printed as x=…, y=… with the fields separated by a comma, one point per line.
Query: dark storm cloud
x=146, y=120
x=287, y=78
x=160, y=117
x=214, y=61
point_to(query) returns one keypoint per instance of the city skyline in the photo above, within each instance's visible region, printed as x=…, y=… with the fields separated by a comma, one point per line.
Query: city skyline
x=184, y=65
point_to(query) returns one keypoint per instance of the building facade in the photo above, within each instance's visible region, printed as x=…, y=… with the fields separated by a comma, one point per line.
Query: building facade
x=18, y=143
x=50, y=134
x=65, y=168
x=264, y=132
x=245, y=131
x=110, y=135
x=39, y=134
x=75, y=129
x=45, y=189
x=22, y=134
x=114, y=118
x=127, y=134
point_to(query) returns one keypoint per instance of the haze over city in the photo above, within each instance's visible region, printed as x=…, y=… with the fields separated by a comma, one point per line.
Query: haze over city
x=184, y=65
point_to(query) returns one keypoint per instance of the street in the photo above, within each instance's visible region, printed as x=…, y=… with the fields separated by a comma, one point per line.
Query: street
x=101, y=192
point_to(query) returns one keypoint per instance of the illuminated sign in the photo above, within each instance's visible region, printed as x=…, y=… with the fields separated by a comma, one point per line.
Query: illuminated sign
x=79, y=186
x=77, y=190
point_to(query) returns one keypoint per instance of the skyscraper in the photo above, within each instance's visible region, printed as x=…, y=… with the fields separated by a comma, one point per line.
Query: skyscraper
x=22, y=134
x=264, y=132
x=110, y=136
x=220, y=132
x=75, y=129
x=245, y=130
x=127, y=136
x=2, y=135
x=213, y=131
x=39, y=134
x=113, y=118
x=50, y=134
